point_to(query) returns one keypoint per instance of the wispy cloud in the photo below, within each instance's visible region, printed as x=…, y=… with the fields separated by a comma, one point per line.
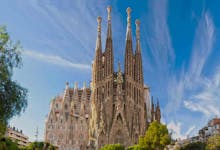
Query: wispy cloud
x=55, y=60
x=206, y=99
x=184, y=87
x=74, y=21
x=158, y=36
x=189, y=131
x=176, y=130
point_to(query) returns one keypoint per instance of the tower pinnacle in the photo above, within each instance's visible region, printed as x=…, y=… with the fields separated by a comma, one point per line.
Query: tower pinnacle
x=98, y=41
x=75, y=85
x=109, y=31
x=109, y=9
x=137, y=22
x=99, y=20
x=138, y=48
x=128, y=10
x=67, y=85
x=128, y=34
x=84, y=85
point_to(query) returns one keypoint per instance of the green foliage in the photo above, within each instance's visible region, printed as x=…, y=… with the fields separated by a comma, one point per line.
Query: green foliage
x=156, y=137
x=8, y=144
x=2, y=129
x=194, y=146
x=113, y=147
x=39, y=146
x=136, y=147
x=213, y=142
x=12, y=96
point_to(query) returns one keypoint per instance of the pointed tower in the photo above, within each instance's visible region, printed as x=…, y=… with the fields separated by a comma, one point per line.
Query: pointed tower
x=66, y=97
x=138, y=57
x=128, y=49
x=97, y=92
x=97, y=66
x=152, y=110
x=157, y=112
x=109, y=61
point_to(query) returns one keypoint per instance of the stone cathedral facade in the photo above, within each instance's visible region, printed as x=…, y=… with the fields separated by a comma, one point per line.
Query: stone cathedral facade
x=116, y=108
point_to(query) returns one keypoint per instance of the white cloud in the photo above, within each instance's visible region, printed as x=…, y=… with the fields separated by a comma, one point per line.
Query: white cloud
x=175, y=129
x=197, y=92
x=56, y=60
x=76, y=23
x=187, y=88
x=158, y=36
x=206, y=99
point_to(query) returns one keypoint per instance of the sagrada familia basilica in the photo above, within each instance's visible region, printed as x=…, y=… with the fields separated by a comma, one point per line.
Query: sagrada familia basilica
x=116, y=108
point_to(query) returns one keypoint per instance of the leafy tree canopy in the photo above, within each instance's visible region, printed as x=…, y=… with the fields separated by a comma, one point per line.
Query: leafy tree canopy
x=6, y=143
x=39, y=146
x=12, y=96
x=194, y=146
x=137, y=147
x=213, y=142
x=113, y=147
x=156, y=137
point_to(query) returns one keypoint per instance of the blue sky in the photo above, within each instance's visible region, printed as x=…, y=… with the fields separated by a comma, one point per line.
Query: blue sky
x=180, y=42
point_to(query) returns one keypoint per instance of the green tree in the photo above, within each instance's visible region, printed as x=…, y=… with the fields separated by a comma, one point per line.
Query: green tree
x=113, y=147
x=137, y=147
x=194, y=146
x=12, y=96
x=8, y=144
x=39, y=146
x=213, y=142
x=156, y=137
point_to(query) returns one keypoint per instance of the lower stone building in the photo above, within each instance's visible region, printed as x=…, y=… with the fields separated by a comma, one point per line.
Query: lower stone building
x=17, y=136
x=68, y=121
x=212, y=128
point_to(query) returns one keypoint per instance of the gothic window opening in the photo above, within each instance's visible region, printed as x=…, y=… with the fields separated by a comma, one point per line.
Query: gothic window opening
x=119, y=117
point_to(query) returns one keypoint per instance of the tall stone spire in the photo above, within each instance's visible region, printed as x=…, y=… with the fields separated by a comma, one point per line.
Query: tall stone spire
x=152, y=110
x=109, y=66
x=66, y=92
x=129, y=50
x=98, y=56
x=67, y=85
x=98, y=40
x=84, y=85
x=128, y=33
x=138, y=57
x=75, y=86
x=109, y=32
x=157, y=111
x=138, y=47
